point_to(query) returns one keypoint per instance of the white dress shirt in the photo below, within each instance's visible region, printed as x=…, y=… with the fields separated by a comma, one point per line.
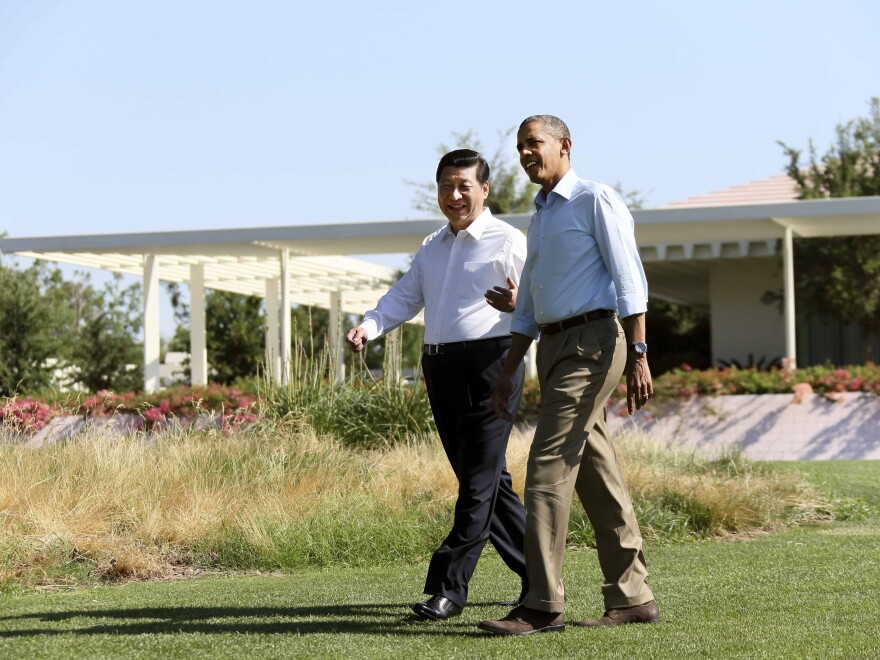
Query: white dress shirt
x=582, y=256
x=448, y=277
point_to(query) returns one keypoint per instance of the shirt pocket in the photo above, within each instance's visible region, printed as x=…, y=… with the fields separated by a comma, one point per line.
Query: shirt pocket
x=480, y=276
x=563, y=247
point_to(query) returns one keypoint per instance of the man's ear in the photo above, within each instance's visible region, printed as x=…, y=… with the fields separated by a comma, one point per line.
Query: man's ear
x=486, y=189
x=565, y=149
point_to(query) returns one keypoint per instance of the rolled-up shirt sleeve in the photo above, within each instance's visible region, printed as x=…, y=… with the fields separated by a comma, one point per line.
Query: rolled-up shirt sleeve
x=402, y=302
x=615, y=236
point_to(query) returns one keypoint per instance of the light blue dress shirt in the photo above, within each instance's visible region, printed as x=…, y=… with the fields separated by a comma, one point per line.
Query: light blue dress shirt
x=582, y=256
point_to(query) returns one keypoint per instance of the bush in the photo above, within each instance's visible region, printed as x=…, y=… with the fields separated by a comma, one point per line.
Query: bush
x=181, y=403
x=685, y=382
x=361, y=412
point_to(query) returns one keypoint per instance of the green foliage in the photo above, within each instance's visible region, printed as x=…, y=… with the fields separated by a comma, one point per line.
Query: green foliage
x=839, y=277
x=28, y=335
x=509, y=190
x=851, y=166
x=47, y=322
x=234, y=333
x=360, y=412
x=108, y=320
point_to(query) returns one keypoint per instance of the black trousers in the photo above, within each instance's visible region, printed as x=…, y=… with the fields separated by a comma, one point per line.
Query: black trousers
x=475, y=440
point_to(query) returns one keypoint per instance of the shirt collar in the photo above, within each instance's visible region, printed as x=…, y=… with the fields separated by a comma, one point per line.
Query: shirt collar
x=477, y=227
x=564, y=188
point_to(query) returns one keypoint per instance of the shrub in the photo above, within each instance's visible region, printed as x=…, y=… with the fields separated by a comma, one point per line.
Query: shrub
x=24, y=416
x=685, y=382
x=178, y=403
x=360, y=412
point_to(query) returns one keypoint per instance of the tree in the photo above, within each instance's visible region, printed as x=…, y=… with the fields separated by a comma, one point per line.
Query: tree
x=840, y=276
x=105, y=349
x=28, y=330
x=234, y=333
x=48, y=323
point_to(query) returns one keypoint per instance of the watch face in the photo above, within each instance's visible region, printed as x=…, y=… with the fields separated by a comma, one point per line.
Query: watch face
x=640, y=347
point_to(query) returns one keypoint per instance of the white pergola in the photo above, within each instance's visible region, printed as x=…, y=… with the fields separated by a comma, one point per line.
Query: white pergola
x=302, y=264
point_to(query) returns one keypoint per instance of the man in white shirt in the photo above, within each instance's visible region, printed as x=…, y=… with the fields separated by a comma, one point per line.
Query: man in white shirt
x=464, y=276
x=582, y=272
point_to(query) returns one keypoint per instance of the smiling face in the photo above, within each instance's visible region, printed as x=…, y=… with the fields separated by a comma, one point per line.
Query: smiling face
x=544, y=157
x=460, y=196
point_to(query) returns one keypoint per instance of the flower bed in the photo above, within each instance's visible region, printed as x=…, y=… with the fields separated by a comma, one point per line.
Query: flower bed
x=233, y=408
x=686, y=383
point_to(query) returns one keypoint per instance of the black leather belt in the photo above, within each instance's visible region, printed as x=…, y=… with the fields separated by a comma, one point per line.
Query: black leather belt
x=580, y=319
x=471, y=345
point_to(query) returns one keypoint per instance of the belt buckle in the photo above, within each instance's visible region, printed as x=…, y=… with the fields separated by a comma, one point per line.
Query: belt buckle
x=432, y=349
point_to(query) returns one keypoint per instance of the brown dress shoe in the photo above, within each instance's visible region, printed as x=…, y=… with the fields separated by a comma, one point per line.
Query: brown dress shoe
x=525, y=621
x=647, y=613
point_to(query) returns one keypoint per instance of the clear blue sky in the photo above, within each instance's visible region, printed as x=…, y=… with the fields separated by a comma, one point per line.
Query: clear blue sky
x=124, y=117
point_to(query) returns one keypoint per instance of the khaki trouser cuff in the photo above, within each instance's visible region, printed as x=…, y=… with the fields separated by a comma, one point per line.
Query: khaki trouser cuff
x=621, y=602
x=553, y=606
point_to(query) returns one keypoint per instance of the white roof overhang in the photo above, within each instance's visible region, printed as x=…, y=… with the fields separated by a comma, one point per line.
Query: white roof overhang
x=675, y=243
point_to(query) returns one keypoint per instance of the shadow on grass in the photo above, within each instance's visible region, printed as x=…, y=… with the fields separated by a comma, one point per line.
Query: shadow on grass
x=365, y=619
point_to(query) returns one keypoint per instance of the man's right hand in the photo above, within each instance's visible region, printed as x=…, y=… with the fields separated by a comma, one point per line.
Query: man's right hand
x=501, y=395
x=356, y=339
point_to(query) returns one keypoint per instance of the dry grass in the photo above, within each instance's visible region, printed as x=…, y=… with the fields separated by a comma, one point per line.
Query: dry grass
x=280, y=498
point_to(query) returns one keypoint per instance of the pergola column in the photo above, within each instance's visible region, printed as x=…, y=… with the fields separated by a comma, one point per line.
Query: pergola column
x=151, y=323
x=285, y=316
x=198, y=347
x=273, y=342
x=337, y=364
x=788, y=276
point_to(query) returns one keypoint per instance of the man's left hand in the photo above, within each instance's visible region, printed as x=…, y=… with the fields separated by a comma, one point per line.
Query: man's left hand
x=504, y=300
x=639, y=386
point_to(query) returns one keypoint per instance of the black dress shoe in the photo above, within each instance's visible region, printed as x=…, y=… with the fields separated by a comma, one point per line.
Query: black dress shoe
x=436, y=608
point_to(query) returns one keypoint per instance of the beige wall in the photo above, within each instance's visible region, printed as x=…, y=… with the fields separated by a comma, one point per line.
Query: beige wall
x=741, y=323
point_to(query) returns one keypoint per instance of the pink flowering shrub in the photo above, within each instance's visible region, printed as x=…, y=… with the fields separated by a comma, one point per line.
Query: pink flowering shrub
x=234, y=408
x=24, y=416
x=686, y=382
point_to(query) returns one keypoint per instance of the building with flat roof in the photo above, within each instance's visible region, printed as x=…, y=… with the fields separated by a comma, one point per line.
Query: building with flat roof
x=722, y=251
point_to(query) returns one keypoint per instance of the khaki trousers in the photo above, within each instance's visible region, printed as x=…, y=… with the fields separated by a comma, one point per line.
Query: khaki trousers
x=578, y=369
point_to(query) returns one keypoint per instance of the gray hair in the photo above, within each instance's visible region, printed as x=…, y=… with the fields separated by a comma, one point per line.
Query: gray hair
x=554, y=125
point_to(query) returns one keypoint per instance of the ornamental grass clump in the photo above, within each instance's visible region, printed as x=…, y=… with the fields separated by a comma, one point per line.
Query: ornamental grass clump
x=278, y=497
x=362, y=411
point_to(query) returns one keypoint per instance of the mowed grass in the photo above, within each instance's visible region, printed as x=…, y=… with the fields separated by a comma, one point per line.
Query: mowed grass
x=808, y=592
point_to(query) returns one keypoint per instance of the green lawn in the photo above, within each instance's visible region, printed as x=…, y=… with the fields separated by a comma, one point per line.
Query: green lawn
x=807, y=592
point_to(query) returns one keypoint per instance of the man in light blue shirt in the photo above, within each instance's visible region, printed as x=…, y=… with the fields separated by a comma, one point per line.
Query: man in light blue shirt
x=583, y=292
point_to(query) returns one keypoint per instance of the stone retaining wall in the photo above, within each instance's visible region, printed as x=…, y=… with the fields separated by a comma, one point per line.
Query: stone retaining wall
x=765, y=426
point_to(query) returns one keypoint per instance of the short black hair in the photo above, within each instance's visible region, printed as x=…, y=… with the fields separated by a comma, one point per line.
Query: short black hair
x=554, y=125
x=465, y=158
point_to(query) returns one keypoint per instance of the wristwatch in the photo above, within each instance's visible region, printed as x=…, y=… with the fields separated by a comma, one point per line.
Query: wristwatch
x=640, y=348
